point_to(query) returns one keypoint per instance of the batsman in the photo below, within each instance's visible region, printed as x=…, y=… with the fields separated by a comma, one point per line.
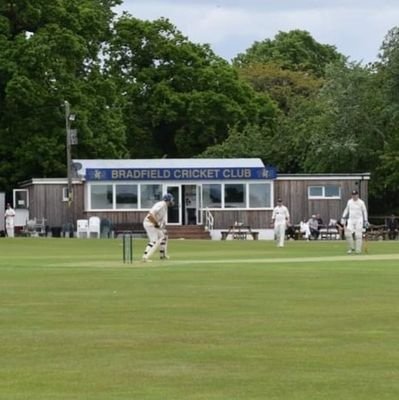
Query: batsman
x=356, y=217
x=155, y=225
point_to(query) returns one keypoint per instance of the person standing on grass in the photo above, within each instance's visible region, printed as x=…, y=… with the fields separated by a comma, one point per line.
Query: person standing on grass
x=280, y=220
x=356, y=217
x=154, y=224
x=9, y=216
x=392, y=224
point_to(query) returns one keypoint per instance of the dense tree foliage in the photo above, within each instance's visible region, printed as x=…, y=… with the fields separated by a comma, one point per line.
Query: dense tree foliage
x=282, y=85
x=295, y=50
x=294, y=93
x=179, y=97
x=387, y=70
x=251, y=141
x=291, y=70
x=49, y=53
x=347, y=132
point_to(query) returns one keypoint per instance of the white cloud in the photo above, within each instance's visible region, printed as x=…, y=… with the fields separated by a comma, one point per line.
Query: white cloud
x=356, y=28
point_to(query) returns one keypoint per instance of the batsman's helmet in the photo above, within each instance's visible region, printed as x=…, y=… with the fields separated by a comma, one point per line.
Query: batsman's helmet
x=168, y=197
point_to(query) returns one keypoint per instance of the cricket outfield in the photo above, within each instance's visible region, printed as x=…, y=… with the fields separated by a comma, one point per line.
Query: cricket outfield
x=219, y=320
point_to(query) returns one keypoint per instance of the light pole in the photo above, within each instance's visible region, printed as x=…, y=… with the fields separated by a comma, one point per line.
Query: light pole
x=70, y=139
x=68, y=148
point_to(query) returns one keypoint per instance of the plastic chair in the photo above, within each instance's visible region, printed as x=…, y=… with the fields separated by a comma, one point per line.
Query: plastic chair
x=82, y=228
x=94, y=226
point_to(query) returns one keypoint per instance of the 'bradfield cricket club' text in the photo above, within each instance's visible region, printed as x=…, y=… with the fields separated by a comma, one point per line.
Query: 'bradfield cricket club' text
x=160, y=174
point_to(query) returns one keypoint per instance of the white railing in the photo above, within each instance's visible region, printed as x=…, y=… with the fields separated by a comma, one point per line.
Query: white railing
x=208, y=220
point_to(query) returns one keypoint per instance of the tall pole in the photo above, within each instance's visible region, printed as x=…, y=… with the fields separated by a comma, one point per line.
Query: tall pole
x=68, y=155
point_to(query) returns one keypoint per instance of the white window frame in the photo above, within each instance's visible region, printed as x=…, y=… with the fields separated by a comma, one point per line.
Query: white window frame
x=323, y=195
x=270, y=183
x=90, y=208
x=88, y=195
x=15, y=191
x=199, y=186
x=114, y=199
x=65, y=196
x=247, y=188
x=245, y=195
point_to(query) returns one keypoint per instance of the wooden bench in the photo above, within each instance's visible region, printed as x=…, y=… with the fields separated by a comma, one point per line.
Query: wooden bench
x=35, y=227
x=329, y=233
x=129, y=228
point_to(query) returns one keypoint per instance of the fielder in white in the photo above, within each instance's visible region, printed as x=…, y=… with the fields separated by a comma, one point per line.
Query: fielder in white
x=280, y=219
x=154, y=224
x=355, y=215
x=9, y=216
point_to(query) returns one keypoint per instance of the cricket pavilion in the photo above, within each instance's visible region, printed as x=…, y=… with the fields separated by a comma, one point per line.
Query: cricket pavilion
x=211, y=194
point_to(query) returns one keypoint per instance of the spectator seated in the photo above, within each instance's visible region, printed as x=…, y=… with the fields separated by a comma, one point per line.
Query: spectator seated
x=313, y=227
x=304, y=230
x=392, y=227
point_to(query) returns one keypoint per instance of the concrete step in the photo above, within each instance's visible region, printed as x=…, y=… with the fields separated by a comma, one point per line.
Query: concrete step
x=188, y=232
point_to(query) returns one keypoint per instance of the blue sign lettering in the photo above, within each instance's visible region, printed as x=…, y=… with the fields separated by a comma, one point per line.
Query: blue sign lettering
x=179, y=174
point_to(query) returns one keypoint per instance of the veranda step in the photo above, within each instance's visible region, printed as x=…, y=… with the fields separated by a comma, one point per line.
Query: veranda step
x=188, y=232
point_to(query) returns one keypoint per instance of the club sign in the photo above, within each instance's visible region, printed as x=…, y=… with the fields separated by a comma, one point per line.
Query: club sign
x=178, y=174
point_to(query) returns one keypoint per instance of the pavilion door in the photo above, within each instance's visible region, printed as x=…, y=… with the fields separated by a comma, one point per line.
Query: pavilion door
x=199, y=204
x=175, y=212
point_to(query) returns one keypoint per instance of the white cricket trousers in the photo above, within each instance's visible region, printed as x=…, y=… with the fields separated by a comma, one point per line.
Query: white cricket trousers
x=10, y=229
x=279, y=233
x=354, y=234
x=156, y=237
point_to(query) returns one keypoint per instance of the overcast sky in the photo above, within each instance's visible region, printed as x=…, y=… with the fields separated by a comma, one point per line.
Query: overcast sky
x=356, y=27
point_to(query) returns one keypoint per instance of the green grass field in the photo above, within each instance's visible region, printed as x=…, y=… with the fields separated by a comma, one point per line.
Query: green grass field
x=227, y=320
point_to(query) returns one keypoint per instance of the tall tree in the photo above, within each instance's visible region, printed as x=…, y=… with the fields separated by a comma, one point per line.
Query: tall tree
x=290, y=69
x=249, y=141
x=296, y=50
x=348, y=133
x=50, y=52
x=387, y=70
x=282, y=85
x=179, y=97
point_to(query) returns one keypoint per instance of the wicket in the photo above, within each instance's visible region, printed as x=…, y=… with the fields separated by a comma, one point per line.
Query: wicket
x=127, y=250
